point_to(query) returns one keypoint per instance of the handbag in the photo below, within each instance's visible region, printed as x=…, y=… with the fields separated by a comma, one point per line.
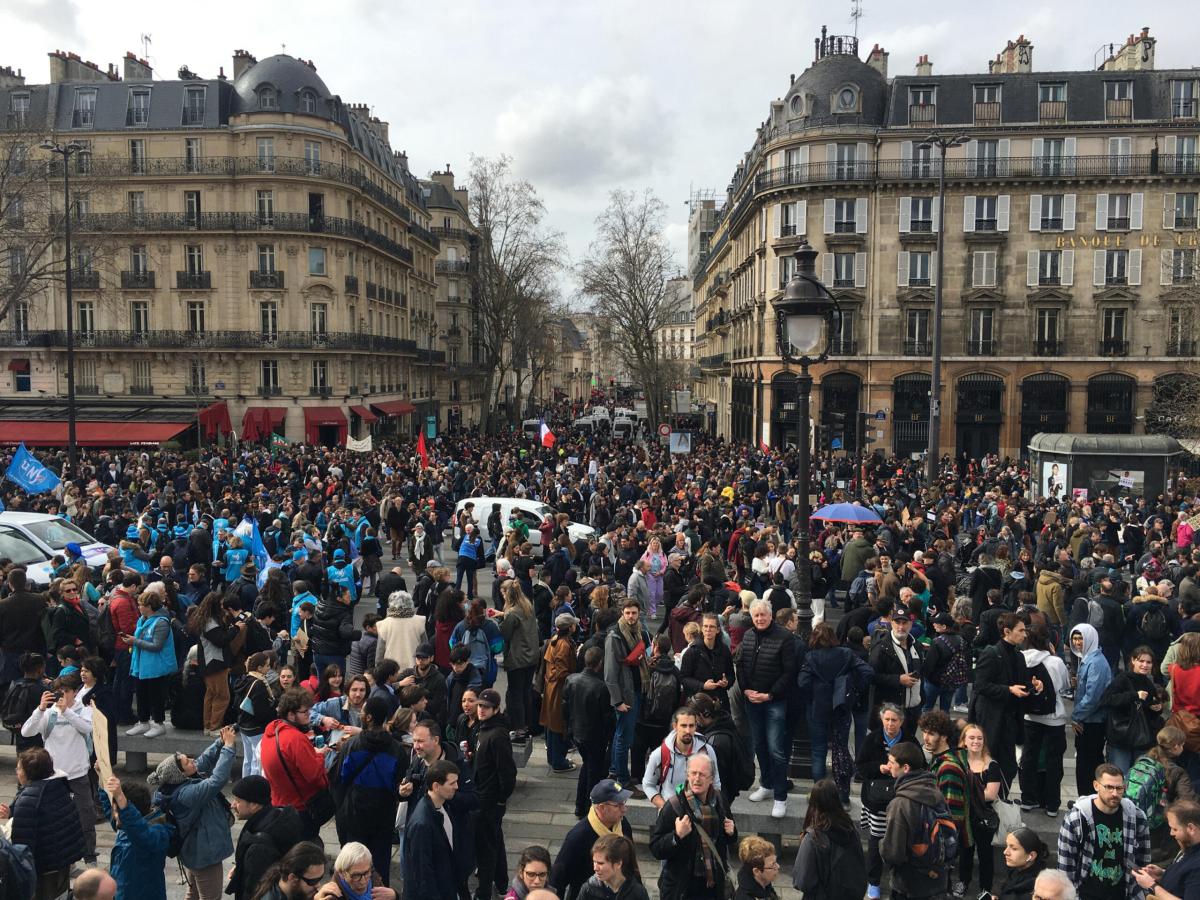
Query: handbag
x=1129, y=727
x=321, y=806
x=1002, y=817
x=877, y=793
x=1186, y=722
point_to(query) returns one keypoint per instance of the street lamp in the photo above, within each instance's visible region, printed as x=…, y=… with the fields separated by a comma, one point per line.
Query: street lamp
x=65, y=151
x=934, y=453
x=805, y=320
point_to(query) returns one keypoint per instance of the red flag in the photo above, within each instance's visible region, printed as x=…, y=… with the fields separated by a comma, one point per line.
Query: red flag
x=762, y=445
x=422, y=451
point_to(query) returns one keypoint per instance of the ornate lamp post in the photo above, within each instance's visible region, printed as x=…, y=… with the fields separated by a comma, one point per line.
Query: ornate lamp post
x=805, y=316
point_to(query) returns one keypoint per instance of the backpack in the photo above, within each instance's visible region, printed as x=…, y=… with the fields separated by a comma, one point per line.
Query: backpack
x=955, y=674
x=167, y=817
x=1045, y=703
x=742, y=776
x=1146, y=785
x=843, y=871
x=1154, y=624
x=106, y=633
x=476, y=640
x=20, y=701
x=857, y=595
x=934, y=839
x=662, y=698
x=1095, y=614
x=18, y=877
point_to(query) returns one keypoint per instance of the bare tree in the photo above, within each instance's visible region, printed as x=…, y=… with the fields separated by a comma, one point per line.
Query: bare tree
x=625, y=274
x=516, y=261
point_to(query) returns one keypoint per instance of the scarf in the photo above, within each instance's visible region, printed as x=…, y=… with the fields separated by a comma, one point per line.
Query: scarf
x=703, y=866
x=637, y=657
x=350, y=894
x=599, y=827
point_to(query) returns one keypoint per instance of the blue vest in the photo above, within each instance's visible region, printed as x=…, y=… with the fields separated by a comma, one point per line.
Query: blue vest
x=141, y=566
x=343, y=578
x=235, y=558
x=150, y=663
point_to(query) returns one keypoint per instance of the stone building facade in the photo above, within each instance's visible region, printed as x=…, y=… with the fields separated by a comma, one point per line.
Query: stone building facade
x=1069, y=277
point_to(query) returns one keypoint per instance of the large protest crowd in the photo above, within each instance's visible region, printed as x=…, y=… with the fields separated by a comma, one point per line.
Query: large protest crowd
x=952, y=646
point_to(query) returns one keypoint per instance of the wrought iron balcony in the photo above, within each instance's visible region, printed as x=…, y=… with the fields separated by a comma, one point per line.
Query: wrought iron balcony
x=1118, y=223
x=193, y=115
x=454, y=234
x=87, y=390
x=1185, y=221
x=315, y=390
x=213, y=340
x=1181, y=347
x=139, y=281
x=922, y=113
x=141, y=390
x=1047, y=348
x=424, y=234
x=270, y=390
x=82, y=118
x=452, y=266
x=1116, y=280
x=352, y=285
x=714, y=361
x=372, y=291
x=843, y=347
x=921, y=226
x=1052, y=224
x=1183, y=109
x=1112, y=347
x=193, y=281
x=981, y=346
x=85, y=279
x=266, y=280
x=1052, y=280
x=986, y=224
x=917, y=347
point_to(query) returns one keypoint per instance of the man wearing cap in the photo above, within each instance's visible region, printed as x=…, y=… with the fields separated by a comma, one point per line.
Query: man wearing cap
x=897, y=660
x=430, y=677
x=573, y=865
x=495, y=780
x=268, y=833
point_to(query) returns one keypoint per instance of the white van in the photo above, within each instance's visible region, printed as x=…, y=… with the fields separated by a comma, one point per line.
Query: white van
x=532, y=428
x=32, y=539
x=625, y=428
x=532, y=512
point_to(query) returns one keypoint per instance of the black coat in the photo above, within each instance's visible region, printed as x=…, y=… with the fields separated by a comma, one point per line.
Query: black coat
x=588, y=710
x=332, y=629
x=993, y=706
x=265, y=838
x=21, y=622
x=873, y=753
x=46, y=821
x=495, y=770
x=699, y=664
x=766, y=661
x=679, y=854
x=888, y=670
x=1019, y=883
x=431, y=870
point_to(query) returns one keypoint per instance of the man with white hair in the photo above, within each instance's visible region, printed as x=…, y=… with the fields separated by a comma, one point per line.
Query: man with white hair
x=1053, y=884
x=766, y=670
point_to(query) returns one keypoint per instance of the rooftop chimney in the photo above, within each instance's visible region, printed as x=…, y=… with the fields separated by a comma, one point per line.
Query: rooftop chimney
x=10, y=78
x=877, y=60
x=1016, y=57
x=65, y=66
x=241, y=62
x=137, y=69
x=1135, y=55
x=924, y=66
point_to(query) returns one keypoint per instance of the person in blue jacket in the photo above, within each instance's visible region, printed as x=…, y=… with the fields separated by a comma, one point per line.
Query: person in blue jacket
x=190, y=789
x=341, y=575
x=1088, y=716
x=133, y=554
x=470, y=553
x=139, y=855
x=152, y=663
x=235, y=558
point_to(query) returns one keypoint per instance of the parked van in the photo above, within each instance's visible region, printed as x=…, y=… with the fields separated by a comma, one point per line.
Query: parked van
x=532, y=512
x=532, y=428
x=32, y=539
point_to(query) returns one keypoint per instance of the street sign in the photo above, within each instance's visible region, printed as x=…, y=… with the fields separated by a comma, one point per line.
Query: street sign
x=220, y=385
x=880, y=415
x=664, y=429
x=835, y=444
x=879, y=434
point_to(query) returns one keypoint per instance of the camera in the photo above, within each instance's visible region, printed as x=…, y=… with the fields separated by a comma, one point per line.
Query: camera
x=57, y=695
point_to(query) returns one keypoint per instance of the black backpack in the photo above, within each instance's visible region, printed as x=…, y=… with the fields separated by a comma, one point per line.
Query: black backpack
x=21, y=700
x=662, y=699
x=1046, y=702
x=1154, y=625
x=106, y=633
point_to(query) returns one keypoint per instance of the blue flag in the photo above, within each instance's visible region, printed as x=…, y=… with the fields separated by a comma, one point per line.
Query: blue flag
x=257, y=549
x=27, y=473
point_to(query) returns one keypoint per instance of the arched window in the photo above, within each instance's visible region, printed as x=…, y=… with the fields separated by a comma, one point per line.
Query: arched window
x=1110, y=399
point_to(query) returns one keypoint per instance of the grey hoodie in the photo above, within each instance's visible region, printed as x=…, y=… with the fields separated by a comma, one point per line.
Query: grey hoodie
x=1059, y=677
x=912, y=790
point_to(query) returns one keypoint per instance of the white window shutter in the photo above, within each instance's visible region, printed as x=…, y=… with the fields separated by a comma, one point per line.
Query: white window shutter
x=777, y=213
x=831, y=153
x=933, y=268
x=1035, y=212
x=1068, y=212
x=1069, y=155
x=1169, y=146
x=936, y=210
x=969, y=210
x=860, y=158
x=1168, y=211
x=1098, y=267
x=860, y=269
x=1037, y=148
x=1003, y=152
x=906, y=156
x=860, y=215
x=902, y=268
x=972, y=149
x=990, y=265
x=829, y=214
x=1135, y=267
x=801, y=217
x=827, y=268
x=804, y=157
x=1136, y=201
x=1067, y=268
x=1031, y=268
x=905, y=215
x=1003, y=203
x=1165, y=263
x=1102, y=212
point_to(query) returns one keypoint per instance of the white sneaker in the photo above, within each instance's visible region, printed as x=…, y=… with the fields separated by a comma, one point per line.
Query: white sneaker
x=139, y=728
x=155, y=730
x=778, y=809
x=761, y=794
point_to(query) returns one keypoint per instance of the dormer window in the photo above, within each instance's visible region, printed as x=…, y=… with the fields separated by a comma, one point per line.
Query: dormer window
x=847, y=100
x=268, y=98
x=797, y=105
x=308, y=102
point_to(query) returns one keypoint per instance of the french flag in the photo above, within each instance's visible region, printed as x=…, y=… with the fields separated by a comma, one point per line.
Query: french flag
x=548, y=437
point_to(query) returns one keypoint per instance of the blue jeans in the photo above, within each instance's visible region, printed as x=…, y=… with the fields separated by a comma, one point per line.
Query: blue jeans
x=768, y=726
x=944, y=697
x=1120, y=757
x=320, y=661
x=623, y=739
x=556, y=750
x=818, y=736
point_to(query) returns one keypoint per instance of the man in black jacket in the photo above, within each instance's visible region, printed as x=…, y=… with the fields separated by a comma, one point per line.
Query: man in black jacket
x=332, y=631
x=707, y=665
x=766, y=673
x=897, y=661
x=690, y=868
x=269, y=832
x=389, y=583
x=20, y=626
x=430, y=677
x=495, y=779
x=573, y=865
x=590, y=723
x=1002, y=684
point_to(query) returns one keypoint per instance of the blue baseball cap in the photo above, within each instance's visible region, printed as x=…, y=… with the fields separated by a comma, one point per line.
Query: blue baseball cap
x=181, y=531
x=131, y=533
x=339, y=554
x=300, y=556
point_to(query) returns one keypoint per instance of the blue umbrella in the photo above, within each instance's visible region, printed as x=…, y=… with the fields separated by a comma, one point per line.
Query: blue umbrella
x=846, y=512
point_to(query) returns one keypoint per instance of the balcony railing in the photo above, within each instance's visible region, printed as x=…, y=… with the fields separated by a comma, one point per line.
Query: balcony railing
x=1053, y=279
x=1118, y=109
x=424, y=234
x=82, y=118
x=1185, y=221
x=1052, y=224
x=987, y=113
x=352, y=285
x=1181, y=347
x=141, y=390
x=85, y=279
x=266, y=280
x=1047, y=348
x=922, y=113
x=270, y=390
x=193, y=115
x=714, y=361
x=139, y=281
x=87, y=390
x=320, y=390
x=986, y=224
x=1112, y=347
x=981, y=346
x=193, y=281
x=1052, y=110
x=455, y=234
x=917, y=347
x=1113, y=280
x=1118, y=223
x=843, y=347
x=452, y=266
x=921, y=226
x=372, y=291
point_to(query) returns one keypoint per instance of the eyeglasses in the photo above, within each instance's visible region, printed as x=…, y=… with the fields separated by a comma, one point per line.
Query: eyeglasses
x=540, y=874
x=771, y=868
x=312, y=882
x=358, y=876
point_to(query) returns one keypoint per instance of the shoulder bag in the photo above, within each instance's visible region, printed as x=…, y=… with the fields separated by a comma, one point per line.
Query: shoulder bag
x=321, y=806
x=681, y=805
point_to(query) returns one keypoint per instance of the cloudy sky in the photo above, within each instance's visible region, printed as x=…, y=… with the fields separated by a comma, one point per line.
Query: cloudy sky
x=586, y=96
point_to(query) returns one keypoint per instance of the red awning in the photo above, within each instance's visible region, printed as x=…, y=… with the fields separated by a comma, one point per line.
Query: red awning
x=258, y=422
x=393, y=408
x=20, y=366
x=365, y=414
x=90, y=434
x=317, y=416
x=215, y=419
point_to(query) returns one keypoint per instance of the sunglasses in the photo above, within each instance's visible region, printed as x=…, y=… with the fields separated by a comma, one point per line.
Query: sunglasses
x=312, y=882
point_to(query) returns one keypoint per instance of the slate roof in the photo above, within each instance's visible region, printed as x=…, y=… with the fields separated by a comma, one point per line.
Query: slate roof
x=1106, y=444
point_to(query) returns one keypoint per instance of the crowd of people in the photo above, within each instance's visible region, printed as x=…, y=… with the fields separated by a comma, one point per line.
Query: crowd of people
x=319, y=613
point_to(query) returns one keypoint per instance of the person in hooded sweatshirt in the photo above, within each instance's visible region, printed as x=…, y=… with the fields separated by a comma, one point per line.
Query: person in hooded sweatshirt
x=495, y=780
x=1087, y=718
x=915, y=788
x=1045, y=735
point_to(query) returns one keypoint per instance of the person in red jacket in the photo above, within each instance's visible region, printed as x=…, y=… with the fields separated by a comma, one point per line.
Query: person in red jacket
x=122, y=609
x=295, y=769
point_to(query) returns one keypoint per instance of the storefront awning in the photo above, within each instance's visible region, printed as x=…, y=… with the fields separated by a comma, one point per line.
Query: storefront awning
x=315, y=417
x=258, y=422
x=365, y=414
x=393, y=408
x=214, y=419
x=90, y=434
x=19, y=366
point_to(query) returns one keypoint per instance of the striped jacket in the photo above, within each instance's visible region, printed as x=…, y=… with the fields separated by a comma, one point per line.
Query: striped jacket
x=950, y=770
x=1075, y=842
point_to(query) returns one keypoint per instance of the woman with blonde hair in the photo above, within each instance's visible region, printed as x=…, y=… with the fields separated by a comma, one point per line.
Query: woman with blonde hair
x=656, y=568
x=518, y=627
x=760, y=868
x=985, y=781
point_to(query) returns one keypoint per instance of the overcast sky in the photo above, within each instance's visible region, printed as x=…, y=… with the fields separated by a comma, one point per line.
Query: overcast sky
x=586, y=96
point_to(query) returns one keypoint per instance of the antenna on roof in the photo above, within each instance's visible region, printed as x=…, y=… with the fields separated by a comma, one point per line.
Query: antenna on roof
x=856, y=13
x=146, y=41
